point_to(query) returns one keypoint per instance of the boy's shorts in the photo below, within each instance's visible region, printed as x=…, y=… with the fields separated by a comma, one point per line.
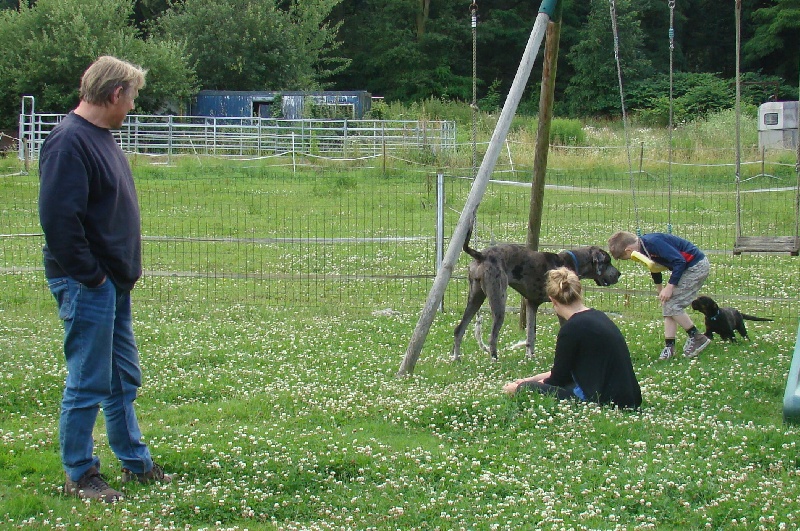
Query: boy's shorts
x=687, y=289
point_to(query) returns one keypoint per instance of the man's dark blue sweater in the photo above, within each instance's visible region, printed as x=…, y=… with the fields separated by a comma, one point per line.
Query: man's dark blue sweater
x=88, y=206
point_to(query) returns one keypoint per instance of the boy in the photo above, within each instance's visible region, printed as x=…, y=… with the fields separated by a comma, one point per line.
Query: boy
x=689, y=269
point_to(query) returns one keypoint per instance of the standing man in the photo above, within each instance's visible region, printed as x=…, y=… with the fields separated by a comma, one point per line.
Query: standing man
x=92, y=258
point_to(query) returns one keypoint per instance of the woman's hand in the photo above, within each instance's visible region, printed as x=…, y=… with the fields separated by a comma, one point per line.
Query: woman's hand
x=513, y=387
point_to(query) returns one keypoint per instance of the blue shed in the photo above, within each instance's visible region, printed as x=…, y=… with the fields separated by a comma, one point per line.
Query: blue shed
x=281, y=104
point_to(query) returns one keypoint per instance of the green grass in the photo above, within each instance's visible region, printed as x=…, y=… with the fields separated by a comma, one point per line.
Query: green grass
x=270, y=367
x=289, y=420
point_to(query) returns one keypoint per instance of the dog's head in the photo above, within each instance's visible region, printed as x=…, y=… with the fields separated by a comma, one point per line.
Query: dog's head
x=705, y=305
x=605, y=272
x=597, y=266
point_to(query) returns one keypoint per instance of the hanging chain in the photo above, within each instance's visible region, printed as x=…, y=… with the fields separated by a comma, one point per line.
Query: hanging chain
x=738, y=19
x=671, y=111
x=473, y=9
x=797, y=190
x=613, y=9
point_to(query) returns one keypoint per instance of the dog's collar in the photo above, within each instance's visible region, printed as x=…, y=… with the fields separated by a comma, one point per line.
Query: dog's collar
x=574, y=259
x=715, y=315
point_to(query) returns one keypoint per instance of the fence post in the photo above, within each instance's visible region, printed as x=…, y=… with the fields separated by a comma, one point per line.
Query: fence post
x=440, y=226
x=169, y=140
x=26, y=125
x=294, y=157
x=136, y=134
x=344, y=141
x=26, y=157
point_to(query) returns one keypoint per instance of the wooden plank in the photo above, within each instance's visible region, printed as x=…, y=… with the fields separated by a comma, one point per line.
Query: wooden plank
x=767, y=244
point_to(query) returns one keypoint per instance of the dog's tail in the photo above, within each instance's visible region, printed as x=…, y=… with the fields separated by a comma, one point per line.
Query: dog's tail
x=754, y=318
x=474, y=253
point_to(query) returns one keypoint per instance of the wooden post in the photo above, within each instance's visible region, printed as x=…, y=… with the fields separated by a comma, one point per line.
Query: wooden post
x=542, y=147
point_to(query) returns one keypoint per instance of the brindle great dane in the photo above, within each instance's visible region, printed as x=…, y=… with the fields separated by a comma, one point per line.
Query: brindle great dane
x=500, y=266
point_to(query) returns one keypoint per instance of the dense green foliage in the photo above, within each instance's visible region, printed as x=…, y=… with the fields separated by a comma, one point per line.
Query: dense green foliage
x=245, y=45
x=594, y=89
x=48, y=46
x=776, y=35
x=404, y=50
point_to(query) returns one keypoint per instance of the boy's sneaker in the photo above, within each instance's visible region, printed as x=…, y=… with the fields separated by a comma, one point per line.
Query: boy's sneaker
x=667, y=353
x=695, y=345
x=92, y=486
x=154, y=475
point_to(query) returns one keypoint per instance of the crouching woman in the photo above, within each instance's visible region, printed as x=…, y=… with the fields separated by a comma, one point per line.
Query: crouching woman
x=592, y=361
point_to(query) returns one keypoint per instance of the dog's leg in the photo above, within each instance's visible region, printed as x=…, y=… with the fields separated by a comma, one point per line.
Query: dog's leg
x=498, y=316
x=530, y=328
x=709, y=329
x=738, y=321
x=476, y=298
x=478, y=332
x=496, y=289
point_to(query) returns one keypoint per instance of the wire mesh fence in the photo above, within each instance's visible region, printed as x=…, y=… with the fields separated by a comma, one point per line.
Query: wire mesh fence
x=357, y=236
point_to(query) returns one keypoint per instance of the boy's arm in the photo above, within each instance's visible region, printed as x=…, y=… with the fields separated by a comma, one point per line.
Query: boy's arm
x=671, y=257
x=654, y=267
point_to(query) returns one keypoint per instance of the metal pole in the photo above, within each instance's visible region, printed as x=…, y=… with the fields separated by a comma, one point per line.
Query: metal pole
x=383, y=149
x=440, y=225
x=294, y=157
x=478, y=189
x=797, y=171
x=344, y=141
x=26, y=128
x=169, y=140
x=27, y=155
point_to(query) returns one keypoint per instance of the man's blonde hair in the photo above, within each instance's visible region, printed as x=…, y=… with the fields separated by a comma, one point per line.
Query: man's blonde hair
x=103, y=77
x=619, y=241
x=564, y=286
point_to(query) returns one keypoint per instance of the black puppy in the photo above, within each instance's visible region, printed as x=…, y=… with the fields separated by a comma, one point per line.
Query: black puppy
x=723, y=321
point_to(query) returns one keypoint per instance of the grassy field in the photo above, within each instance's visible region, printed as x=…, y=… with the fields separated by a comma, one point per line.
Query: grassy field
x=289, y=420
x=275, y=401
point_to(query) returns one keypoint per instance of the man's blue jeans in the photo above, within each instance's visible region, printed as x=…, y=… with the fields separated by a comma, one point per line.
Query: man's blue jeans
x=102, y=369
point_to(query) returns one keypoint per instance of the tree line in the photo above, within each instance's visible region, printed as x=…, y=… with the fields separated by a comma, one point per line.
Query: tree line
x=405, y=51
